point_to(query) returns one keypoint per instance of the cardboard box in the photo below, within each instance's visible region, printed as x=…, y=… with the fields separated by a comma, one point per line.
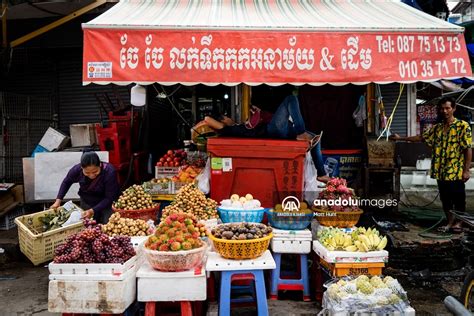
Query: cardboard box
x=11, y=198
x=53, y=140
x=83, y=135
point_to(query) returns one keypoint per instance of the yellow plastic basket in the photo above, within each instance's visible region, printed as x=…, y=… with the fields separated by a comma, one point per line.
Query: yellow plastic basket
x=337, y=219
x=241, y=249
x=40, y=247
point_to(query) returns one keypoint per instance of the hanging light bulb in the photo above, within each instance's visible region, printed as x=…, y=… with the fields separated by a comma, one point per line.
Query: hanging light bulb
x=138, y=95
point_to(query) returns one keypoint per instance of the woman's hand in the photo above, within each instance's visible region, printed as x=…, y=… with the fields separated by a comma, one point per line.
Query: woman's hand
x=88, y=214
x=56, y=204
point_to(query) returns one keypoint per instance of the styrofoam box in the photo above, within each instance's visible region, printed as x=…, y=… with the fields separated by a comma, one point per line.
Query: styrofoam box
x=83, y=135
x=157, y=286
x=409, y=311
x=291, y=246
x=349, y=256
x=304, y=234
x=80, y=296
x=92, y=271
x=53, y=139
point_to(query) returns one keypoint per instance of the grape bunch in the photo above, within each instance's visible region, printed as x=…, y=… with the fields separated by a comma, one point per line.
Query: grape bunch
x=93, y=246
x=89, y=222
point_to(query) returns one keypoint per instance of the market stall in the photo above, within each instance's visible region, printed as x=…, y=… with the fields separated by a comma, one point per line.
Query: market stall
x=255, y=42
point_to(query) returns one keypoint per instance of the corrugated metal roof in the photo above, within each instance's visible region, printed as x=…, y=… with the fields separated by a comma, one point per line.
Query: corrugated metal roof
x=301, y=15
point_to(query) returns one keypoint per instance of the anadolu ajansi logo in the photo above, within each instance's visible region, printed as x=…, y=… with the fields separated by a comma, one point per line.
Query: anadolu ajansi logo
x=290, y=204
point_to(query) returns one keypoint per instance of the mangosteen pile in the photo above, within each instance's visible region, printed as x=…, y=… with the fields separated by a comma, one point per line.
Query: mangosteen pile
x=241, y=231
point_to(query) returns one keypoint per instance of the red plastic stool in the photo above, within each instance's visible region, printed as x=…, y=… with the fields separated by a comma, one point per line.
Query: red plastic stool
x=186, y=309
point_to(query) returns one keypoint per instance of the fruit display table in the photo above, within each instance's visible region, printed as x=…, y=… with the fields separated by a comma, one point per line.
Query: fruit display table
x=239, y=270
x=185, y=287
x=299, y=244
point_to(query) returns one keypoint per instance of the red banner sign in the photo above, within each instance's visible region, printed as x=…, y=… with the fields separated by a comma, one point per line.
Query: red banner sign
x=213, y=57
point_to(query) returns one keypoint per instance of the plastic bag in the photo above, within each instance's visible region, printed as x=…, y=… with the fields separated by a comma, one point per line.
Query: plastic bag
x=75, y=217
x=75, y=213
x=311, y=188
x=204, y=178
x=356, y=302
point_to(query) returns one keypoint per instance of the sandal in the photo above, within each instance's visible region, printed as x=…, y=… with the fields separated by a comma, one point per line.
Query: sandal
x=314, y=141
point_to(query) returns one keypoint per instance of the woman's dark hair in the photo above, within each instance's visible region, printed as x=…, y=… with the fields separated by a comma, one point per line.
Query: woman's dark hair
x=90, y=158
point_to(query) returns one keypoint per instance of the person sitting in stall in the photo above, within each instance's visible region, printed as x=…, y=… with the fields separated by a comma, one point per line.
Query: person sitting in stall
x=98, y=186
x=286, y=123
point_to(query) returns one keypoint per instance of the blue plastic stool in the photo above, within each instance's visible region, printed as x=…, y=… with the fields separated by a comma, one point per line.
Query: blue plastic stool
x=293, y=284
x=226, y=285
x=244, y=290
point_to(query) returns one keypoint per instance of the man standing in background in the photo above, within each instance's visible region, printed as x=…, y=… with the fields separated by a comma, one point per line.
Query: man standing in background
x=450, y=142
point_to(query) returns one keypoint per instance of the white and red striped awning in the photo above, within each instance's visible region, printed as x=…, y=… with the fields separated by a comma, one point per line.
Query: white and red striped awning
x=270, y=41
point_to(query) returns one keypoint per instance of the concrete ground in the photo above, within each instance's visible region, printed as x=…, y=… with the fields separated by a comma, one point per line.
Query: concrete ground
x=24, y=291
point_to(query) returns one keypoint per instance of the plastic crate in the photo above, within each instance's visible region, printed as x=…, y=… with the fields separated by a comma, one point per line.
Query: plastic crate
x=343, y=269
x=7, y=222
x=40, y=247
x=349, y=256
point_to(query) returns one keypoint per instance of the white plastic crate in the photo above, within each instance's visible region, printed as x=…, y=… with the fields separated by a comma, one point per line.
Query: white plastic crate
x=156, y=286
x=349, y=256
x=92, y=297
x=93, y=271
x=291, y=246
x=7, y=221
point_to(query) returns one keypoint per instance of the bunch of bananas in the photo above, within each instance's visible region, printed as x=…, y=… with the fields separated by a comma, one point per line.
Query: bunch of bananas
x=368, y=239
x=336, y=239
x=361, y=239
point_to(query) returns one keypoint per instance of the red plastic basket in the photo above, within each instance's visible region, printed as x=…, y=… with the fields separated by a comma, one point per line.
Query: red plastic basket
x=145, y=214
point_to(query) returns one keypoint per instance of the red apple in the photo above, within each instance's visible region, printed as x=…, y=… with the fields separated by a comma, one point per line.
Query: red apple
x=176, y=164
x=169, y=152
x=169, y=159
x=162, y=159
x=165, y=164
x=159, y=164
x=177, y=159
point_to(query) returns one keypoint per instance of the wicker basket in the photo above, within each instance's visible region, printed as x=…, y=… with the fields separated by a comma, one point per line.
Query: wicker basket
x=39, y=247
x=241, y=249
x=174, y=261
x=144, y=214
x=337, y=219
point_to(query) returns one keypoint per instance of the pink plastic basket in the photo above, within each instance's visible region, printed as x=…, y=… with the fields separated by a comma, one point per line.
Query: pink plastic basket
x=174, y=261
